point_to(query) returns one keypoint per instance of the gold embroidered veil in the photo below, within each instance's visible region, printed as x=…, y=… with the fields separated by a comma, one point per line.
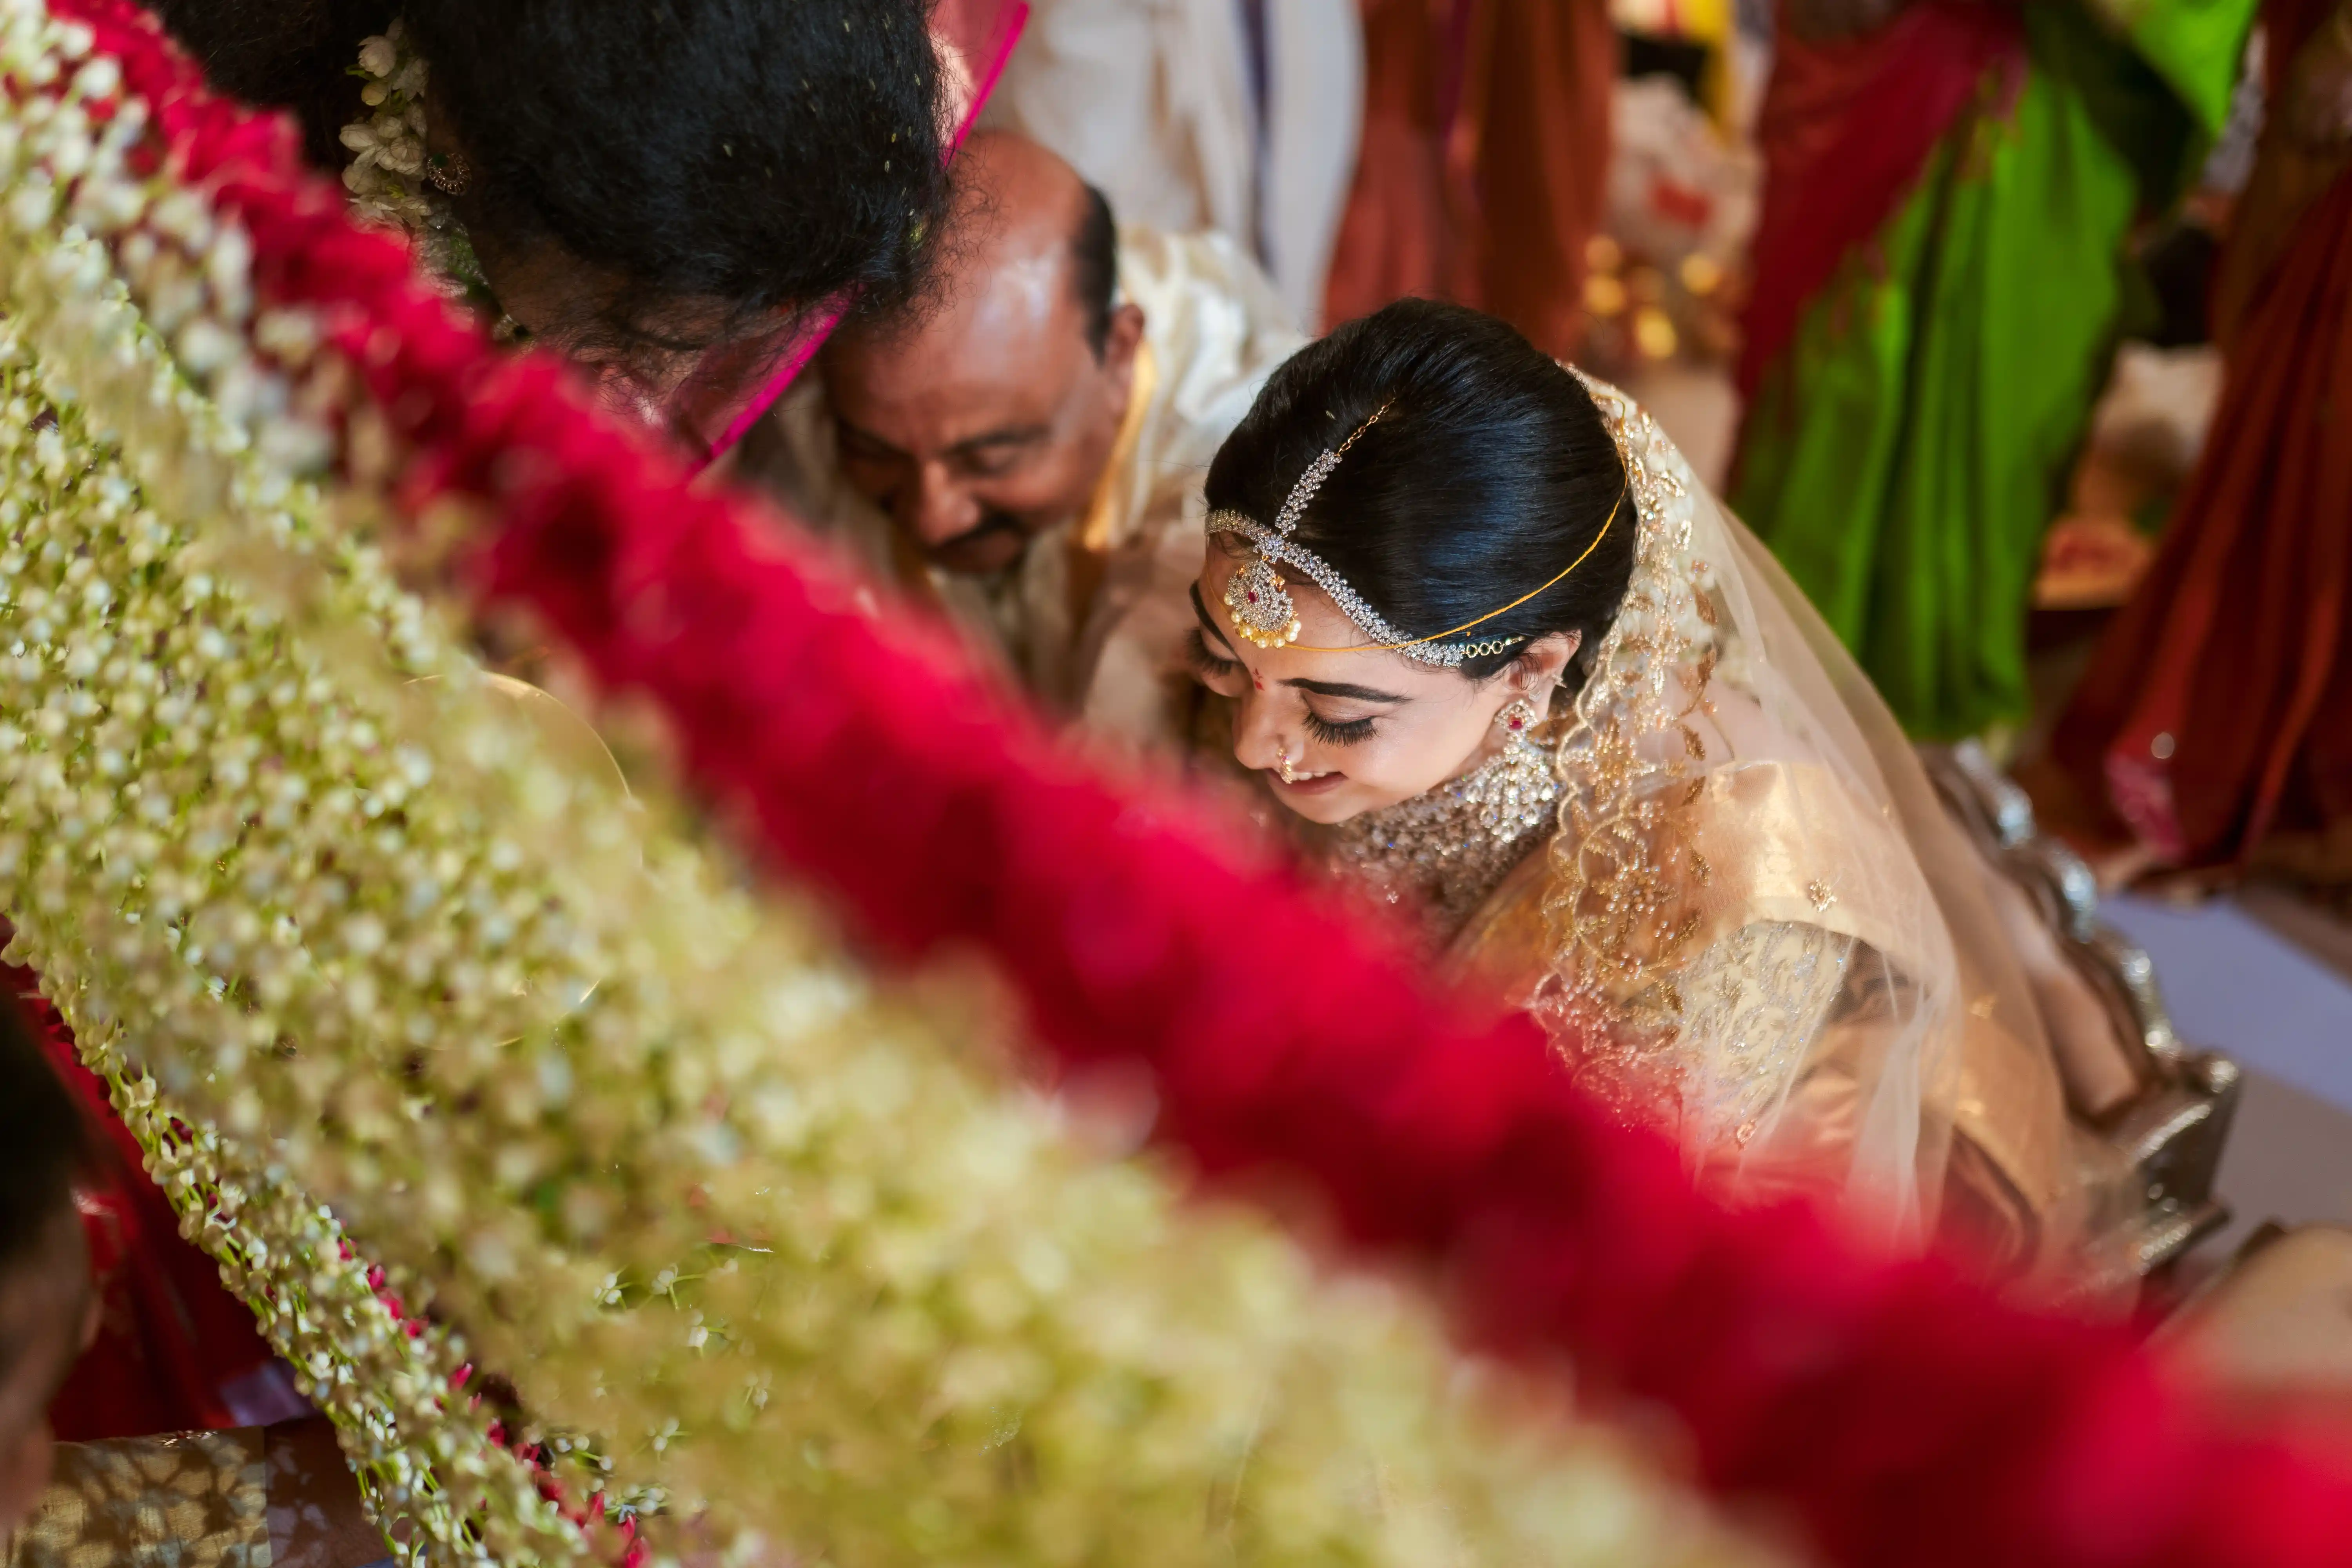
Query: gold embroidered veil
x=1757, y=922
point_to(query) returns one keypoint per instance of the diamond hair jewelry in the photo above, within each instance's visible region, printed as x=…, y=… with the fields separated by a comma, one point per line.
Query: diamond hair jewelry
x=1258, y=597
x=1448, y=848
x=1259, y=600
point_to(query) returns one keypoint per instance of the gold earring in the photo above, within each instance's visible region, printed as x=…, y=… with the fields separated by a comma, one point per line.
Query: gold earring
x=1518, y=716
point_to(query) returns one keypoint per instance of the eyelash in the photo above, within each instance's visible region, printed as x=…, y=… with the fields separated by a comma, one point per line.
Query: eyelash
x=1352, y=733
x=1330, y=734
x=1196, y=649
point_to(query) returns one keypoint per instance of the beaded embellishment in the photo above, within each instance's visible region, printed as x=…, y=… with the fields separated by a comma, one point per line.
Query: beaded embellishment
x=1265, y=613
x=1452, y=846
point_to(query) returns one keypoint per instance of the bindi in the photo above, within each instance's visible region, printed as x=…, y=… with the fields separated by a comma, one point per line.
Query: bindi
x=1257, y=680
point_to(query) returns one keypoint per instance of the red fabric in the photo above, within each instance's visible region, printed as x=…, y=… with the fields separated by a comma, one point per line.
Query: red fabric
x=1485, y=161
x=1846, y=129
x=1895, y=1416
x=172, y=1341
x=173, y=1346
x=2218, y=709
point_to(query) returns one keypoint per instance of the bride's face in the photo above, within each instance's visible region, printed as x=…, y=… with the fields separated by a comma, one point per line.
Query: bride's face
x=1361, y=731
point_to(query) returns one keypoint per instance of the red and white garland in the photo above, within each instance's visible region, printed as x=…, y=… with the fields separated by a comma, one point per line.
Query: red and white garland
x=1901, y=1416
x=759, y=1242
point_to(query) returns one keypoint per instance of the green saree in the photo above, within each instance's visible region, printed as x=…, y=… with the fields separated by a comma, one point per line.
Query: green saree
x=1910, y=440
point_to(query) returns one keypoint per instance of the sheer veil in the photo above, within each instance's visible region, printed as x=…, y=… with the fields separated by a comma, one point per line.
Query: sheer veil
x=1760, y=922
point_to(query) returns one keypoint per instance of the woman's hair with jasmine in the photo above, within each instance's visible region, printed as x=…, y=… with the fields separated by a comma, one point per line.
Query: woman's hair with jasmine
x=742, y=156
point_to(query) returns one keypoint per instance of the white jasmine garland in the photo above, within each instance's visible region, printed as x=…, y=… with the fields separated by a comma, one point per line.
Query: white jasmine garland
x=387, y=176
x=755, y=1239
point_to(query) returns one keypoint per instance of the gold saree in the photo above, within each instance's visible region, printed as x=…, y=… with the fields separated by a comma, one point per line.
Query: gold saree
x=1756, y=926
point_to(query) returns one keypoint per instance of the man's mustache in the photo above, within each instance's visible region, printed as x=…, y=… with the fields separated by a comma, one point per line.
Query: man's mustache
x=991, y=524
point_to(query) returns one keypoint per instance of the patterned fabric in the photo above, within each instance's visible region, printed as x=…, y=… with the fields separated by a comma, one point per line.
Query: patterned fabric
x=1758, y=927
x=198, y=1499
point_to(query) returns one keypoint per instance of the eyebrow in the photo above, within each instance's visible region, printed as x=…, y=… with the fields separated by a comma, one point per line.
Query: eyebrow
x=863, y=436
x=1339, y=688
x=1012, y=436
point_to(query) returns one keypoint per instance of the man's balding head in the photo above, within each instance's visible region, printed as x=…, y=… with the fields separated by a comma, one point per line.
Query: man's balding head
x=989, y=416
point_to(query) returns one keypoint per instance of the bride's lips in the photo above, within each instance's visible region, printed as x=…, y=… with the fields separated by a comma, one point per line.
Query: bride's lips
x=1319, y=785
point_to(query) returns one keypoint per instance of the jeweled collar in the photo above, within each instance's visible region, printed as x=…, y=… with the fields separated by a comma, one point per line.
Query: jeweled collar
x=1447, y=849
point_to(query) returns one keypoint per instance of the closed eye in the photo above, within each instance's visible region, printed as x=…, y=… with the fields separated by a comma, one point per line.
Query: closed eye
x=1206, y=663
x=1337, y=734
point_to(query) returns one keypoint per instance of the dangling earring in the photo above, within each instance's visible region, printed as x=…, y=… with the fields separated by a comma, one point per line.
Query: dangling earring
x=1518, y=716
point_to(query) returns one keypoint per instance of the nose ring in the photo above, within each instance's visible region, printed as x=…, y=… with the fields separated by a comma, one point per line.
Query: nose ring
x=1282, y=765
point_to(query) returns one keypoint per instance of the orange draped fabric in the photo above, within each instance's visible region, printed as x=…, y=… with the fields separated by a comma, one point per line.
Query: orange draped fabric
x=1485, y=160
x=2216, y=720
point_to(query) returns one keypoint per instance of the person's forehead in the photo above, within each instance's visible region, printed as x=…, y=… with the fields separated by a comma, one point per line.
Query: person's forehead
x=1007, y=354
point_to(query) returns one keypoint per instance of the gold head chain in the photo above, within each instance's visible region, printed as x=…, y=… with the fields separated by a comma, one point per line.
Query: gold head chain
x=1264, y=613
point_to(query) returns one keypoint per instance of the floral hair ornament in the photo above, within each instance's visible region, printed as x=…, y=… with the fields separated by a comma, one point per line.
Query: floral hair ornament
x=1265, y=613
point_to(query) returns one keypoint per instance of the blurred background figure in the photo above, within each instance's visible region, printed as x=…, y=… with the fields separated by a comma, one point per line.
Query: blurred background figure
x=1486, y=160
x=1939, y=276
x=674, y=197
x=1239, y=116
x=280, y=1495
x=2215, y=725
x=1662, y=296
x=1026, y=452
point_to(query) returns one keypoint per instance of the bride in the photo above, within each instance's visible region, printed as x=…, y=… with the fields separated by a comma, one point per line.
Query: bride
x=1480, y=628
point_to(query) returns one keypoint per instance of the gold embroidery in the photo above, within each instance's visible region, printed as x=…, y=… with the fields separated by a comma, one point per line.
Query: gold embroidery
x=1695, y=984
x=196, y=1501
x=1619, y=907
x=1768, y=987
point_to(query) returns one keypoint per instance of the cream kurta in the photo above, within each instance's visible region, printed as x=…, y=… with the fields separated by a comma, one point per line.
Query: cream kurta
x=1151, y=101
x=1092, y=618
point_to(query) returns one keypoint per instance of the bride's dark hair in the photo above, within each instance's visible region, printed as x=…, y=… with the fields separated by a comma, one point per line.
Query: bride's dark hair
x=756, y=153
x=1490, y=472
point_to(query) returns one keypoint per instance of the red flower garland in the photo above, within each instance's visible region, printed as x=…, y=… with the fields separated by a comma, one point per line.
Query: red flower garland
x=1903, y=1417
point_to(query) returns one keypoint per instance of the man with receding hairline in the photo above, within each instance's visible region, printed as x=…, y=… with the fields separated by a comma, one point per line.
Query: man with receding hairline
x=1026, y=450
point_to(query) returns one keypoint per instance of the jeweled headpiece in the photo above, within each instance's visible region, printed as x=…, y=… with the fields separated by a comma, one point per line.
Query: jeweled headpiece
x=1260, y=600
